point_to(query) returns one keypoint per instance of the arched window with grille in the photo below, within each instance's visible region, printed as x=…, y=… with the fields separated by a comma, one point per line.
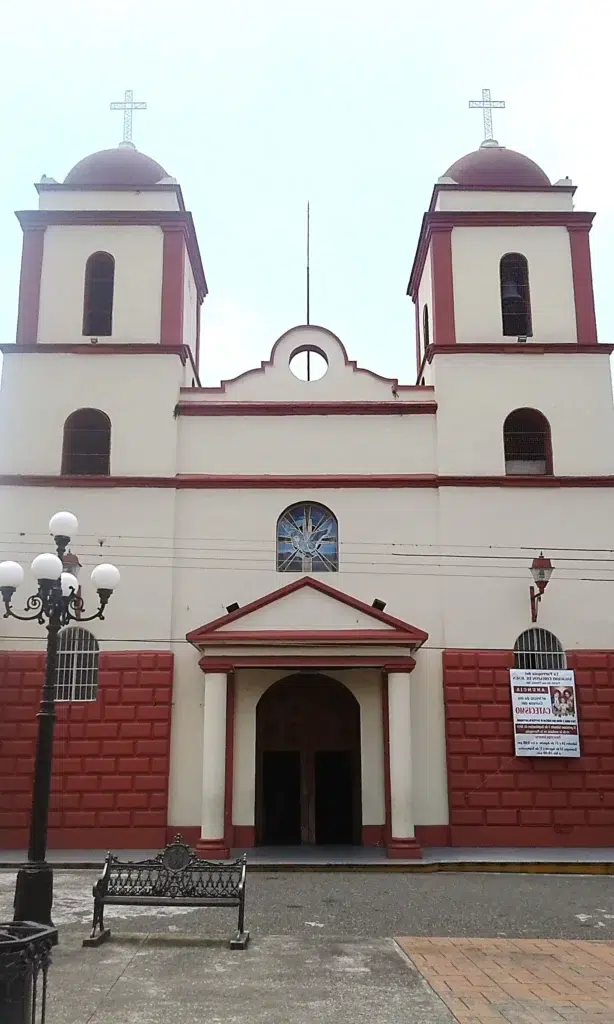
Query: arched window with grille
x=515, y=296
x=77, y=669
x=538, y=648
x=307, y=539
x=98, y=295
x=527, y=444
x=86, y=447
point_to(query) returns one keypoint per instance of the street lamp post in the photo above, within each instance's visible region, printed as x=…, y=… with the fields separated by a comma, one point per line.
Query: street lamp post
x=55, y=604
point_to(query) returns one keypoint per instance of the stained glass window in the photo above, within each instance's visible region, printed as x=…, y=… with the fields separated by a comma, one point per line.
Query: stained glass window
x=307, y=539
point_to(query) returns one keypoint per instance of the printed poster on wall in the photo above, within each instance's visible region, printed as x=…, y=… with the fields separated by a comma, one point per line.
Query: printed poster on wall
x=545, y=713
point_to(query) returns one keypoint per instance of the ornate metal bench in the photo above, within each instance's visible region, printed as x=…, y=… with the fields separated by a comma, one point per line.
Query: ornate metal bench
x=176, y=877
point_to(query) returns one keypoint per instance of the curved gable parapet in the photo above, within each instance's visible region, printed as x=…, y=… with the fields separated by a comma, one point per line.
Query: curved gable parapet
x=275, y=381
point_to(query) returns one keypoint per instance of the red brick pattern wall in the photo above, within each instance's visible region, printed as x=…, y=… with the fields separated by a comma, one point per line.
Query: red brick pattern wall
x=497, y=799
x=111, y=756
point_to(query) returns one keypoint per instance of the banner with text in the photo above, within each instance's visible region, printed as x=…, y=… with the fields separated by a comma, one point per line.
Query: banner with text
x=545, y=713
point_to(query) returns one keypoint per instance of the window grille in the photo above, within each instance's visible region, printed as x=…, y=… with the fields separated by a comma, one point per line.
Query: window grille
x=87, y=443
x=538, y=648
x=77, y=668
x=527, y=444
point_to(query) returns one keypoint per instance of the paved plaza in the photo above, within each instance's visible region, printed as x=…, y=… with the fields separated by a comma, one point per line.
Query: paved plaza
x=334, y=947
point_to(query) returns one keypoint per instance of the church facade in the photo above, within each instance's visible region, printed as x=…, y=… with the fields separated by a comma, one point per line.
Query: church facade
x=311, y=643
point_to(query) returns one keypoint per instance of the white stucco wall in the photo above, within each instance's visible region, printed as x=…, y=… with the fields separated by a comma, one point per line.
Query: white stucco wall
x=137, y=251
x=314, y=444
x=425, y=298
x=472, y=199
x=33, y=409
x=164, y=198
x=476, y=253
x=476, y=392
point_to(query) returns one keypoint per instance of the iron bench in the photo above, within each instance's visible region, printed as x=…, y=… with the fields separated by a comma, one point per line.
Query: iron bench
x=176, y=877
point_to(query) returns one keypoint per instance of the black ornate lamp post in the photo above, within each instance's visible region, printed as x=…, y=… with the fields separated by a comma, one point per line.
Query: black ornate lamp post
x=55, y=604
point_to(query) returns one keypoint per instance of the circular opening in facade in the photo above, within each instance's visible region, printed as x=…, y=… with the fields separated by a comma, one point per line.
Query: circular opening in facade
x=308, y=363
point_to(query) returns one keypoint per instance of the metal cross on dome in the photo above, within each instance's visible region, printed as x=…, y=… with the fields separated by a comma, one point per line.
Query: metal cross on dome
x=128, y=106
x=487, y=106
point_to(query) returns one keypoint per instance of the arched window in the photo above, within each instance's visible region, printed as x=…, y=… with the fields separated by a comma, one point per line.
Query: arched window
x=425, y=327
x=515, y=297
x=307, y=539
x=527, y=443
x=538, y=648
x=87, y=443
x=77, y=671
x=98, y=295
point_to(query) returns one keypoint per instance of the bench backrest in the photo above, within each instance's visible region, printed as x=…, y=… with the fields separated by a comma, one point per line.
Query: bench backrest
x=175, y=872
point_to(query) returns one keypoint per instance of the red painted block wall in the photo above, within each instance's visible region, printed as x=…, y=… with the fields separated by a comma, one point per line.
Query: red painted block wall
x=497, y=799
x=111, y=756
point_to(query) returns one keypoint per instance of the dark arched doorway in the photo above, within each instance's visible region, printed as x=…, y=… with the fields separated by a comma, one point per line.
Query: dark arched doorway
x=308, y=763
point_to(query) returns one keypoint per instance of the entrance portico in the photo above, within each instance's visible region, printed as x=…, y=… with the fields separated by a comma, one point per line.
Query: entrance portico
x=282, y=760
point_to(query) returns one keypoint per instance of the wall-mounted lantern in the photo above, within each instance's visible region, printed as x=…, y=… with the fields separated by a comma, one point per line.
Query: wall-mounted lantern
x=541, y=571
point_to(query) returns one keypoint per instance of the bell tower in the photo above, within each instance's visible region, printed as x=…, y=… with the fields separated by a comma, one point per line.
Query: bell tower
x=108, y=326
x=505, y=319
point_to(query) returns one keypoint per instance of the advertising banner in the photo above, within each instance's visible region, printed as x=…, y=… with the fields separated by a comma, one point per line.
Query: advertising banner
x=545, y=713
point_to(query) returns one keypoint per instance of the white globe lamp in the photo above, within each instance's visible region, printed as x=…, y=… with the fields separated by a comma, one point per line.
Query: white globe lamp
x=64, y=524
x=47, y=567
x=105, y=576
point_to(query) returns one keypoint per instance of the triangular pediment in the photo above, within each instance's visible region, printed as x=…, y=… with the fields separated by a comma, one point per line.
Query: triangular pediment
x=308, y=610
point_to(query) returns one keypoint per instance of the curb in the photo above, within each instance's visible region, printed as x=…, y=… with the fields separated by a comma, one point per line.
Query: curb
x=408, y=867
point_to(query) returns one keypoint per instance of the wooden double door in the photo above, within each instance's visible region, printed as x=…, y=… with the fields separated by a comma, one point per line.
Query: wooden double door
x=308, y=763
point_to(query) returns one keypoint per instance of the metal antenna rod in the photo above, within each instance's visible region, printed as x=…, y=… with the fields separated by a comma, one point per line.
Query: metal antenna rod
x=308, y=296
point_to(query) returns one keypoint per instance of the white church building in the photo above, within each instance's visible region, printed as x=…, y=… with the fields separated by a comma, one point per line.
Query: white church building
x=311, y=643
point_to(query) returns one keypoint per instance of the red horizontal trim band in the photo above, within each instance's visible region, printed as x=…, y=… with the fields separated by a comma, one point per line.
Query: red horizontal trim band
x=124, y=218
x=336, y=481
x=322, y=661
x=305, y=408
x=101, y=348
x=515, y=348
x=439, y=220
x=387, y=637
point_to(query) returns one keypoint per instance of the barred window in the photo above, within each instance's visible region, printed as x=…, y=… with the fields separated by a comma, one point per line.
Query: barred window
x=87, y=443
x=527, y=444
x=538, y=648
x=98, y=296
x=515, y=298
x=77, y=669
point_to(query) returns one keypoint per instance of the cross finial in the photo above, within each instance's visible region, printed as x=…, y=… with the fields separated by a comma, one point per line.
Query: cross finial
x=487, y=106
x=128, y=106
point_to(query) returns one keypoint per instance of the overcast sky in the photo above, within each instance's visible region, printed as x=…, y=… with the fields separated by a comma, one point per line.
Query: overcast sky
x=257, y=107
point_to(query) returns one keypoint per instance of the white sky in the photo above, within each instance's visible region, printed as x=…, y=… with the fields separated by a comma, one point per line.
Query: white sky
x=257, y=107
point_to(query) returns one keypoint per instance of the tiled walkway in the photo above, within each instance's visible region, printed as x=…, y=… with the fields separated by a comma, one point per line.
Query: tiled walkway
x=519, y=981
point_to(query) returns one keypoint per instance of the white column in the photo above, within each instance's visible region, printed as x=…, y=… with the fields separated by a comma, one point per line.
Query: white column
x=214, y=760
x=403, y=842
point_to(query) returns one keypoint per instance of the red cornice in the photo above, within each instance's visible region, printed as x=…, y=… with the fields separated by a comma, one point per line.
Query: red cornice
x=305, y=637
x=216, y=482
x=518, y=349
x=398, y=627
x=124, y=218
x=305, y=408
x=321, y=662
x=447, y=220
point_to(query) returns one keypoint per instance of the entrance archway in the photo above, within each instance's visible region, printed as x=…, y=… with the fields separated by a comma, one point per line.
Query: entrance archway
x=308, y=763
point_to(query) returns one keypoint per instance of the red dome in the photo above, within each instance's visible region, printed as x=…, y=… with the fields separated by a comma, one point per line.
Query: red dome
x=121, y=166
x=492, y=166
